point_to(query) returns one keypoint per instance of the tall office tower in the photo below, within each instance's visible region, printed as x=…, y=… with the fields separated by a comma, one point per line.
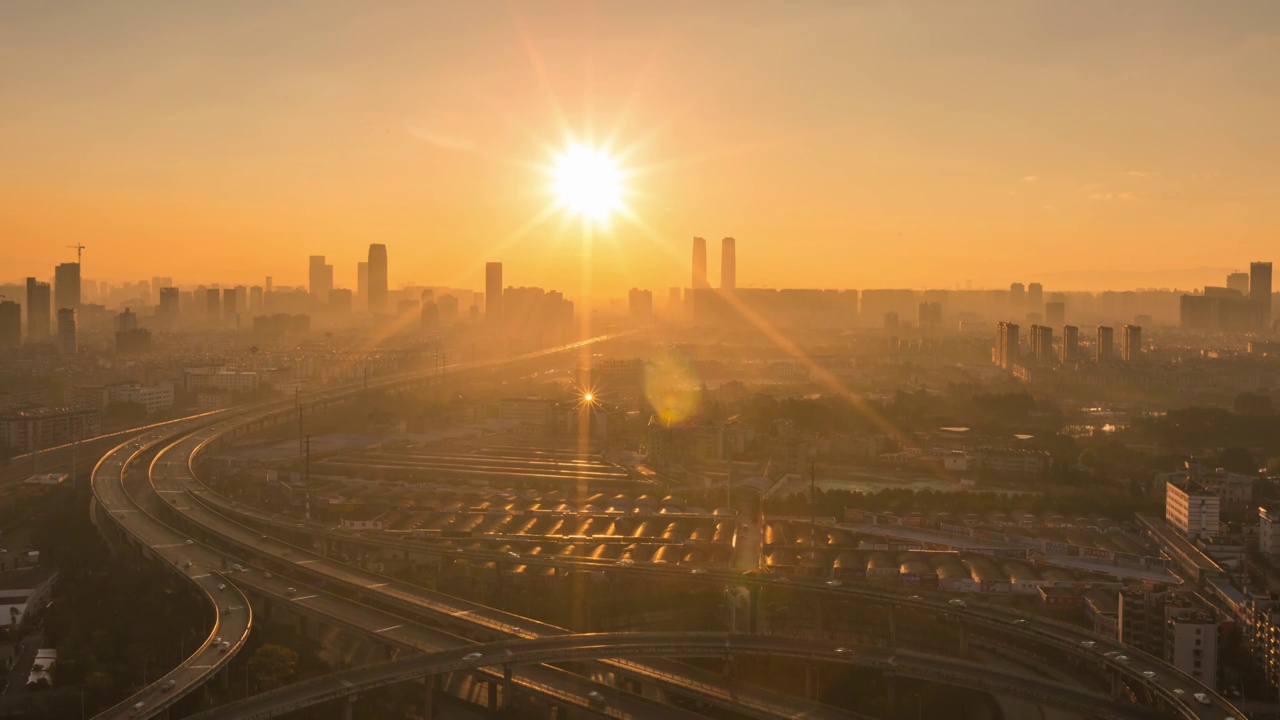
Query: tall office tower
x=269, y=287
x=213, y=306
x=1055, y=313
x=377, y=278
x=10, y=324
x=1131, y=343
x=728, y=264
x=699, y=264
x=1070, y=345
x=1105, y=350
x=39, y=313
x=1007, y=349
x=255, y=297
x=362, y=283
x=493, y=293
x=167, y=310
x=1260, y=292
x=320, y=277
x=66, y=286
x=66, y=331
x=1239, y=282
x=1035, y=297
x=1042, y=344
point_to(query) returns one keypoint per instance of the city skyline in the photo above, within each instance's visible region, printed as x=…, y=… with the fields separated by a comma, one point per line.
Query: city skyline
x=1150, y=151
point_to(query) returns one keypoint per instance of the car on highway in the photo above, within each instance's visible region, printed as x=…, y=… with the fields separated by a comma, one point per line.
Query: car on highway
x=225, y=647
x=168, y=685
x=137, y=708
x=222, y=586
x=1122, y=658
x=957, y=602
x=1088, y=644
x=915, y=598
x=595, y=699
x=1202, y=699
x=291, y=591
x=833, y=583
x=842, y=651
x=1020, y=622
x=1149, y=674
x=697, y=571
x=190, y=541
x=472, y=656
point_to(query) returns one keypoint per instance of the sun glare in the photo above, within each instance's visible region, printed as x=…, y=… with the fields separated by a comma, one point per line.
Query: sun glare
x=588, y=182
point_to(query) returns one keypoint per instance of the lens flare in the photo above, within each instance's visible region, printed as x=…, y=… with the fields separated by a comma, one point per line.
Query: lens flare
x=672, y=388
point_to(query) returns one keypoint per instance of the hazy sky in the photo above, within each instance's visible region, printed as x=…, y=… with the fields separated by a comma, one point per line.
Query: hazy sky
x=844, y=143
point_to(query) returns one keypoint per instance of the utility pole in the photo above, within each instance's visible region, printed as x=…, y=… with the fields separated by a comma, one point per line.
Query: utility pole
x=297, y=402
x=306, y=469
x=813, y=512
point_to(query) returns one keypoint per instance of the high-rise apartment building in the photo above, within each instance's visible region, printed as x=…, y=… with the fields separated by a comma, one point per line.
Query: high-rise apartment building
x=255, y=297
x=66, y=286
x=213, y=306
x=640, y=304
x=167, y=310
x=377, y=282
x=1131, y=343
x=230, y=305
x=1017, y=297
x=699, y=281
x=1055, y=313
x=320, y=277
x=1070, y=345
x=728, y=264
x=362, y=283
x=675, y=301
x=1105, y=349
x=1042, y=344
x=493, y=293
x=340, y=301
x=39, y=312
x=66, y=331
x=1007, y=349
x=1035, y=297
x=1260, y=292
x=10, y=324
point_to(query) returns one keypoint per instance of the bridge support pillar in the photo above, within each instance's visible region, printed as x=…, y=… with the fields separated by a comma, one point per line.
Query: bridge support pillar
x=506, y=685
x=812, y=682
x=1117, y=687
x=890, y=692
x=348, y=707
x=429, y=697
x=730, y=667
x=817, y=618
x=493, y=694
x=964, y=639
x=753, y=609
x=893, y=628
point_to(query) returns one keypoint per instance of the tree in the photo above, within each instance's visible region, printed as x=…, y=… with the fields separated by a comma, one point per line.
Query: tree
x=1253, y=404
x=1237, y=459
x=272, y=666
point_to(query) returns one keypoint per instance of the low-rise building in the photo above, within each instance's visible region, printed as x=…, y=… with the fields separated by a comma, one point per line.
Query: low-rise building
x=1191, y=509
x=35, y=429
x=1269, y=530
x=23, y=592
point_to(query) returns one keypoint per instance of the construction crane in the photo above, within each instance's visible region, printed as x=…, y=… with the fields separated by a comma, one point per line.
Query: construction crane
x=79, y=249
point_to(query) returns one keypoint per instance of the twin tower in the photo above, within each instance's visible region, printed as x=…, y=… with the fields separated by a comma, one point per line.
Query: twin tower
x=728, y=264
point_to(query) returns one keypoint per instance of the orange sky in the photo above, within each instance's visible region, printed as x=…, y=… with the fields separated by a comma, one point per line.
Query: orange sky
x=845, y=143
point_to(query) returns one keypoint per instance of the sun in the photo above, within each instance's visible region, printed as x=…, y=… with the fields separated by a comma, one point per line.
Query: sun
x=587, y=181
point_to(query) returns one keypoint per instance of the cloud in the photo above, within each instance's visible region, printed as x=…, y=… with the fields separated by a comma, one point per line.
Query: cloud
x=1030, y=178
x=1102, y=196
x=441, y=140
x=1128, y=196
x=1143, y=173
x=1108, y=196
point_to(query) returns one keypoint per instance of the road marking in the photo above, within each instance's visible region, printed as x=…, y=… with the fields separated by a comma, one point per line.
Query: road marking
x=171, y=491
x=304, y=597
x=169, y=545
x=375, y=585
x=392, y=627
x=304, y=562
x=202, y=576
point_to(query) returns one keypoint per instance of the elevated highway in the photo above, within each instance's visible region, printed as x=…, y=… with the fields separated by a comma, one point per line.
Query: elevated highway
x=506, y=654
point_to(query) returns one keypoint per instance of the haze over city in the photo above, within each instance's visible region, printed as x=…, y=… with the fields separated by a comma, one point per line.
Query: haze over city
x=578, y=359
x=928, y=144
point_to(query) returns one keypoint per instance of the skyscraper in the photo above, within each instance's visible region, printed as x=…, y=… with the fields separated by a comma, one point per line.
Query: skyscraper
x=699, y=264
x=167, y=310
x=728, y=264
x=377, y=282
x=213, y=306
x=39, y=315
x=1070, y=345
x=320, y=277
x=1106, y=344
x=66, y=285
x=66, y=331
x=493, y=293
x=10, y=324
x=229, y=305
x=1055, y=313
x=1017, y=297
x=1260, y=292
x=1035, y=297
x=1131, y=343
x=362, y=283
